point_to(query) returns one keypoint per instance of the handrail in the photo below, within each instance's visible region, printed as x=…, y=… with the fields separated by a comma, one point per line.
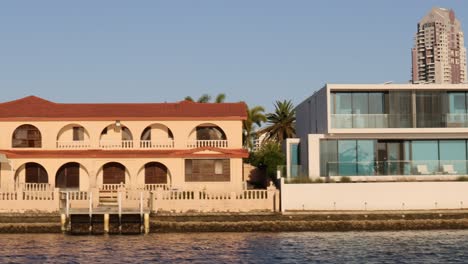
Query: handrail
x=207, y=143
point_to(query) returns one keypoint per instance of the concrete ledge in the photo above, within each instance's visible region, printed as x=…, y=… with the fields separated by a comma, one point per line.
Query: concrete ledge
x=30, y=228
x=302, y=226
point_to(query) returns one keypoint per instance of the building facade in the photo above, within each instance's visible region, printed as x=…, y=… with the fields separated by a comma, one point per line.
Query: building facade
x=439, y=53
x=181, y=146
x=382, y=132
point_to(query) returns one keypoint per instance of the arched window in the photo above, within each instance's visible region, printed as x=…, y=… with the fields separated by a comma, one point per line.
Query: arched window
x=35, y=173
x=68, y=176
x=155, y=173
x=27, y=136
x=157, y=132
x=210, y=132
x=113, y=173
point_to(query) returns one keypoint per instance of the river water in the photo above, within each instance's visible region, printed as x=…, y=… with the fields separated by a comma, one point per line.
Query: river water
x=306, y=247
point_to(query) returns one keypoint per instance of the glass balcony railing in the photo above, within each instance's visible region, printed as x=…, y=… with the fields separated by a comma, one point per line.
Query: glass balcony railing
x=397, y=168
x=399, y=121
x=370, y=120
x=457, y=120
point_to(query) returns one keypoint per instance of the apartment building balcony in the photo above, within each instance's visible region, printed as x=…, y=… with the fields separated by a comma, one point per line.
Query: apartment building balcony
x=399, y=120
x=369, y=120
x=398, y=168
x=457, y=120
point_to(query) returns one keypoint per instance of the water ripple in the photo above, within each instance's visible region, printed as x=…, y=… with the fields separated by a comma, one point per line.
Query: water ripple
x=307, y=247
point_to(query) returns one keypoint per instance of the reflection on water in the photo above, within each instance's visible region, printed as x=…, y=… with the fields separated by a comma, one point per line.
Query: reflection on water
x=358, y=247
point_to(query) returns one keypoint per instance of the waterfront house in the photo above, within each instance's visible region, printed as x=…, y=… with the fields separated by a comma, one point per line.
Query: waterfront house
x=388, y=132
x=172, y=146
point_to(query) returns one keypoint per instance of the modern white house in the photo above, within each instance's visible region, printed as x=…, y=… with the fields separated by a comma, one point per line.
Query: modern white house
x=382, y=132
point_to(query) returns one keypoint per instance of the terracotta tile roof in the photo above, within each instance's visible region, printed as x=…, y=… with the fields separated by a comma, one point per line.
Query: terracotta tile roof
x=33, y=107
x=96, y=153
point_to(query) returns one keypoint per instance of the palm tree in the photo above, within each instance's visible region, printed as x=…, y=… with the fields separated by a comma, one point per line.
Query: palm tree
x=282, y=123
x=206, y=98
x=220, y=98
x=255, y=116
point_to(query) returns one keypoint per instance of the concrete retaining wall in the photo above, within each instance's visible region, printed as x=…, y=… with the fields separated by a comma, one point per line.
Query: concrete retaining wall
x=375, y=196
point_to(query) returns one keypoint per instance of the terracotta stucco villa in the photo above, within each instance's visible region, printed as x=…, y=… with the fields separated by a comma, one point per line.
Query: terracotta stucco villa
x=183, y=146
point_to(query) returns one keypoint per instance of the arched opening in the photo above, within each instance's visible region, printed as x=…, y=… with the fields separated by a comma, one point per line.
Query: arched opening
x=156, y=173
x=68, y=176
x=73, y=136
x=210, y=132
x=113, y=173
x=35, y=173
x=208, y=135
x=157, y=136
x=26, y=136
x=116, y=136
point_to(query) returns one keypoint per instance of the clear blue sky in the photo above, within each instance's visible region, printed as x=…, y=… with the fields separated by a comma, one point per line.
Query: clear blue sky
x=154, y=51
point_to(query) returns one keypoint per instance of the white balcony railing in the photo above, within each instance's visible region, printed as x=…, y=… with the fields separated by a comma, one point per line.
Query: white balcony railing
x=153, y=187
x=73, y=144
x=142, y=144
x=457, y=120
x=116, y=144
x=112, y=187
x=207, y=143
x=36, y=187
x=148, y=144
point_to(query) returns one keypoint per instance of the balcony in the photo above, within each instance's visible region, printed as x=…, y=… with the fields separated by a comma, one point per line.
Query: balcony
x=457, y=120
x=369, y=121
x=398, y=168
x=148, y=144
x=116, y=144
x=73, y=144
x=141, y=144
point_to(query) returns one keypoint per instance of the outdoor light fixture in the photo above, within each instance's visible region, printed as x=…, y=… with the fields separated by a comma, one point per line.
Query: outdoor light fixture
x=117, y=123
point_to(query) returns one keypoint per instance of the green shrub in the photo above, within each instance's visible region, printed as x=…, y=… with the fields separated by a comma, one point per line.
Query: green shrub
x=299, y=180
x=345, y=179
x=462, y=178
x=268, y=158
x=319, y=180
x=330, y=180
x=304, y=180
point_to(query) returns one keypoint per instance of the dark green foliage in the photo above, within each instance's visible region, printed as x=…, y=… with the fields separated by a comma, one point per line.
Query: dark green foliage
x=268, y=158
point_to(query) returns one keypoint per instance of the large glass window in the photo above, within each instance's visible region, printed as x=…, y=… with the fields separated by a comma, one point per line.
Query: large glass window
x=393, y=157
x=457, y=109
x=430, y=108
x=358, y=109
x=343, y=103
x=294, y=160
x=366, y=157
x=457, y=102
x=425, y=156
x=328, y=157
x=452, y=156
x=400, y=109
x=347, y=157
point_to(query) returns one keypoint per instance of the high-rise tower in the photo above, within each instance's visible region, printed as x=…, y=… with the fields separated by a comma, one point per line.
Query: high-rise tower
x=439, y=53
